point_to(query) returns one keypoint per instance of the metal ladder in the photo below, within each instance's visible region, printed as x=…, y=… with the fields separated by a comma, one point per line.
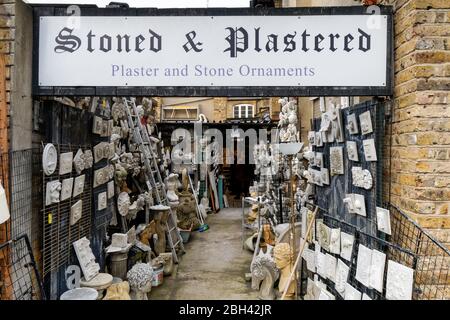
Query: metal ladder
x=153, y=176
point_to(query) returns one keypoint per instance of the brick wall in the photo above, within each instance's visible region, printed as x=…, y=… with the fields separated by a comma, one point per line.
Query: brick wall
x=7, y=33
x=420, y=159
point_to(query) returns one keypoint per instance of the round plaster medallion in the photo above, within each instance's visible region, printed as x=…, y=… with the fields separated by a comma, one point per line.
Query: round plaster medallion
x=49, y=159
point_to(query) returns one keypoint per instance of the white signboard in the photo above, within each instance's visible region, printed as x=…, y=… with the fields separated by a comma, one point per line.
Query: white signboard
x=252, y=51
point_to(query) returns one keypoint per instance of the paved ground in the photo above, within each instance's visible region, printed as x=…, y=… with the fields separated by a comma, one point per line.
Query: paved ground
x=214, y=264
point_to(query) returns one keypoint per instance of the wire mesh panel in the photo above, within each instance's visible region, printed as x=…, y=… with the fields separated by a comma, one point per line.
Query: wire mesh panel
x=21, y=192
x=58, y=233
x=432, y=276
x=409, y=245
x=21, y=280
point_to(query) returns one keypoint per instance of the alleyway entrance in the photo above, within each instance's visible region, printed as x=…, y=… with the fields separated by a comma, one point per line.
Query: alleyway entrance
x=214, y=264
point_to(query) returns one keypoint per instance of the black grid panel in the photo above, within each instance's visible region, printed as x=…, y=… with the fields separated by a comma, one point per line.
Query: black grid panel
x=19, y=277
x=58, y=234
x=330, y=196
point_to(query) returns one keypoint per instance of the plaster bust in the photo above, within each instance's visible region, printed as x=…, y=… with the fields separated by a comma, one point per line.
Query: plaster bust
x=140, y=280
x=284, y=261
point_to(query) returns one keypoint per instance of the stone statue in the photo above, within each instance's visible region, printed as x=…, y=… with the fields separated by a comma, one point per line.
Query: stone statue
x=140, y=280
x=264, y=270
x=284, y=259
x=171, y=185
x=118, y=291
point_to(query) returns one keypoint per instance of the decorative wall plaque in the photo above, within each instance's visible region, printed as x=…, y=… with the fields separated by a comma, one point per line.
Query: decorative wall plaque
x=86, y=258
x=98, y=151
x=370, y=152
x=312, y=138
x=377, y=270
x=319, y=140
x=78, y=185
x=342, y=271
x=363, y=265
x=362, y=178
x=101, y=176
x=321, y=264
x=97, y=125
x=355, y=204
x=66, y=189
x=335, y=241
x=351, y=293
x=325, y=176
x=323, y=235
x=88, y=159
x=76, y=211
x=383, y=220
x=78, y=161
x=318, y=159
x=52, y=191
x=65, y=163
x=352, y=124
x=352, y=151
x=336, y=161
x=347, y=245
x=330, y=265
x=366, y=122
x=110, y=189
x=309, y=256
x=102, y=201
x=399, y=283
x=49, y=159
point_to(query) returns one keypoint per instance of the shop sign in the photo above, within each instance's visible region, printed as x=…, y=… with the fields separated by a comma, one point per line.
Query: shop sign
x=304, y=53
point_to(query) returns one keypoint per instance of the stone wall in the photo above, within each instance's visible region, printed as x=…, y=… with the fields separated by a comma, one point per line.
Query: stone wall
x=420, y=159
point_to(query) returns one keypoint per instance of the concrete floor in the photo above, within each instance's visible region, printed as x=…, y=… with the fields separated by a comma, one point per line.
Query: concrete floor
x=214, y=264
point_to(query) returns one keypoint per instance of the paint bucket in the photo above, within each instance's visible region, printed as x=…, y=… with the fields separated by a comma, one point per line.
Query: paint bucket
x=158, y=275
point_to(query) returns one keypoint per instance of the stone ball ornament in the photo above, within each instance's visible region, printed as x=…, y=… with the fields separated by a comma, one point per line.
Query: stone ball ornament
x=49, y=159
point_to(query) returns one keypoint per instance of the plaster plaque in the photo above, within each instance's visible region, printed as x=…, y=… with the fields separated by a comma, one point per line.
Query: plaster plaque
x=365, y=121
x=347, y=245
x=335, y=241
x=78, y=161
x=383, y=220
x=66, y=189
x=319, y=140
x=323, y=235
x=88, y=159
x=352, y=124
x=102, y=201
x=97, y=125
x=316, y=176
x=76, y=211
x=309, y=256
x=110, y=189
x=363, y=265
x=78, y=185
x=312, y=138
x=377, y=270
x=86, y=258
x=366, y=297
x=330, y=265
x=318, y=159
x=101, y=176
x=342, y=271
x=49, y=159
x=355, y=204
x=370, y=152
x=399, y=281
x=351, y=293
x=325, y=176
x=52, y=191
x=321, y=264
x=336, y=161
x=65, y=163
x=352, y=151
x=98, y=151
x=345, y=102
x=362, y=178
